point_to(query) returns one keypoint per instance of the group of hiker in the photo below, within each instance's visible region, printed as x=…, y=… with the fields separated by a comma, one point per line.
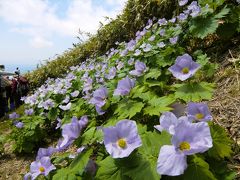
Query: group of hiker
x=13, y=86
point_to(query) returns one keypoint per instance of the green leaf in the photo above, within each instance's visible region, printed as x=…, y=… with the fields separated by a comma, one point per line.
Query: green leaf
x=158, y=105
x=221, y=170
x=128, y=109
x=203, y=59
x=201, y=27
x=91, y=135
x=53, y=113
x=75, y=169
x=195, y=92
x=221, y=143
x=109, y=171
x=144, y=171
x=152, y=142
x=222, y=13
x=198, y=170
x=153, y=74
x=156, y=110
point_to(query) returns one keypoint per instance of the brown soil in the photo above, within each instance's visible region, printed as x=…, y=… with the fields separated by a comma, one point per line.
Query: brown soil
x=13, y=167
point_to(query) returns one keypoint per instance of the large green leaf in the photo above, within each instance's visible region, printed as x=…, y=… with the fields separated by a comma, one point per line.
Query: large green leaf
x=109, y=171
x=128, y=109
x=203, y=26
x=221, y=143
x=194, y=92
x=153, y=74
x=152, y=142
x=221, y=170
x=158, y=105
x=198, y=169
x=76, y=168
x=91, y=135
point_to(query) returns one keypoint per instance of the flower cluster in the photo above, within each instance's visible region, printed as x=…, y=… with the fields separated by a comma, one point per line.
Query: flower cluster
x=114, y=79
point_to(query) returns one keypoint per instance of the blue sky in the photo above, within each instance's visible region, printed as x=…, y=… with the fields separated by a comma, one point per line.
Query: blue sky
x=36, y=30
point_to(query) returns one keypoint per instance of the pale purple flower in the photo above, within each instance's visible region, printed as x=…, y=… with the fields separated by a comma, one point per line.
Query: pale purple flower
x=143, y=32
x=71, y=131
x=188, y=139
x=124, y=52
x=173, y=20
x=137, y=52
x=47, y=104
x=162, y=22
x=152, y=38
x=184, y=67
x=187, y=11
x=112, y=73
x=99, y=110
x=124, y=86
x=120, y=65
x=147, y=48
x=87, y=95
x=161, y=45
x=70, y=76
x=45, y=152
x=63, y=144
x=198, y=112
x=100, y=80
x=91, y=168
x=66, y=107
x=19, y=125
x=59, y=124
x=173, y=40
x=66, y=100
x=75, y=93
x=182, y=17
x=29, y=112
x=14, y=115
x=131, y=45
x=178, y=109
x=99, y=97
x=122, y=139
x=42, y=167
x=194, y=9
x=182, y=2
x=27, y=176
x=73, y=68
x=87, y=84
x=131, y=61
x=168, y=122
x=149, y=24
x=140, y=68
x=79, y=151
x=23, y=98
x=162, y=32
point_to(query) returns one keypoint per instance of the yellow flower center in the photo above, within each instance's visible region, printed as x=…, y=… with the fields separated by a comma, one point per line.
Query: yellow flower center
x=184, y=146
x=199, y=116
x=185, y=70
x=122, y=143
x=41, y=169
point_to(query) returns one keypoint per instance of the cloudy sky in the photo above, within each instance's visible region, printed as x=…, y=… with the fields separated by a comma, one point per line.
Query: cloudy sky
x=35, y=30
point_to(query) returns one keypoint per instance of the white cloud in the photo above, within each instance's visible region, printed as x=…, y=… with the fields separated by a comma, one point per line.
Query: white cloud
x=39, y=19
x=39, y=42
